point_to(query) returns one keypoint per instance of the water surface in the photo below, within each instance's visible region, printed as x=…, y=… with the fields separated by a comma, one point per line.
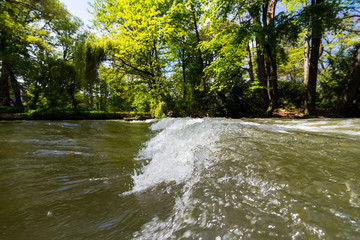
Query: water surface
x=180, y=179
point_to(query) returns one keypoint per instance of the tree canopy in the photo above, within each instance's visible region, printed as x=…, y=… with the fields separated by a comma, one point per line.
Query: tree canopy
x=184, y=57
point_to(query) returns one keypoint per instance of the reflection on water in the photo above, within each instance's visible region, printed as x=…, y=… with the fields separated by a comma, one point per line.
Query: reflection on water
x=180, y=179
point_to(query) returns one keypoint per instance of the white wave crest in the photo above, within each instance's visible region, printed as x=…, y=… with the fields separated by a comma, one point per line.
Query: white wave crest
x=173, y=151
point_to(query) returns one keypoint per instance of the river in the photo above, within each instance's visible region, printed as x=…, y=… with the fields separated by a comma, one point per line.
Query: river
x=180, y=179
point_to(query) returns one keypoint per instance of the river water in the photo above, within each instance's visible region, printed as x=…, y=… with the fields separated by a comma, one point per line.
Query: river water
x=180, y=179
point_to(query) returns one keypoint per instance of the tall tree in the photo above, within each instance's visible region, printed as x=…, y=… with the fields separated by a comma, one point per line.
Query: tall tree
x=270, y=48
x=258, y=21
x=306, y=51
x=183, y=36
x=23, y=23
x=316, y=35
x=134, y=28
x=352, y=87
x=322, y=15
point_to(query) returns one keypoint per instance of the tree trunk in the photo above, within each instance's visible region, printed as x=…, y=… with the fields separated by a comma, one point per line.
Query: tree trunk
x=306, y=53
x=306, y=62
x=272, y=78
x=4, y=85
x=266, y=53
x=16, y=88
x=157, y=70
x=270, y=48
x=251, y=69
x=352, y=88
x=310, y=87
x=306, y=58
x=183, y=65
x=261, y=74
x=4, y=77
x=201, y=61
x=71, y=91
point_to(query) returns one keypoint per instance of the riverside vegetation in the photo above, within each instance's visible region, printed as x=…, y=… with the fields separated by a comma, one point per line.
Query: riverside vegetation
x=187, y=57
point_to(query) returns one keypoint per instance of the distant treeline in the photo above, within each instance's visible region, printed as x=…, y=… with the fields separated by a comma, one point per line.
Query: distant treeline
x=183, y=57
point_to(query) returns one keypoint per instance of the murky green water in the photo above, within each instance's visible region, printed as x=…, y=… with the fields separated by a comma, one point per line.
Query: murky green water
x=180, y=179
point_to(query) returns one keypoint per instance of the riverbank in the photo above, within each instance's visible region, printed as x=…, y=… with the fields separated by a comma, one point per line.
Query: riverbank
x=297, y=113
x=74, y=116
x=291, y=113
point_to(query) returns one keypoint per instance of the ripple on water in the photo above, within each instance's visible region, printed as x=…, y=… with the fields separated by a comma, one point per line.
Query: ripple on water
x=59, y=152
x=194, y=178
x=244, y=181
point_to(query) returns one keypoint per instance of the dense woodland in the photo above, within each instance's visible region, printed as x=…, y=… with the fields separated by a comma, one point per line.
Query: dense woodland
x=188, y=57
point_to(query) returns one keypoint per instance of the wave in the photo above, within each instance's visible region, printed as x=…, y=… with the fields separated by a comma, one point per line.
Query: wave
x=174, y=152
x=239, y=175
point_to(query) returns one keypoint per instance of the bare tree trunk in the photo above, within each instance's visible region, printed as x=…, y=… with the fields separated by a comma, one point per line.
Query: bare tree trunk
x=71, y=91
x=158, y=70
x=270, y=48
x=306, y=62
x=306, y=53
x=310, y=87
x=183, y=65
x=266, y=54
x=272, y=78
x=4, y=84
x=352, y=88
x=16, y=88
x=306, y=58
x=4, y=76
x=251, y=69
x=261, y=74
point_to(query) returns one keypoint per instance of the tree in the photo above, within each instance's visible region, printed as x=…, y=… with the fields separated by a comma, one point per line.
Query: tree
x=324, y=15
x=23, y=24
x=135, y=30
x=311, y=79
x=352, y=87
x=182, y=35
x=257, y=20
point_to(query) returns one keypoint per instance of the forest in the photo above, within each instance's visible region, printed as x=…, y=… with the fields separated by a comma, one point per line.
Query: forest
x=243, y=58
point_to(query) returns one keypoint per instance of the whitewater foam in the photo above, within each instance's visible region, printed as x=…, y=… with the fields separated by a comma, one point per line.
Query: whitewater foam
x=348, y=127
x=194, y=152
x=173, y=151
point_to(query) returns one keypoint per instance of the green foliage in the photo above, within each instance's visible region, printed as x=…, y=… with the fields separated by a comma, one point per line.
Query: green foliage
x=190, y=57
x=291, y=93
x=14, y=109
x=234, y=100
x=157, y=109
x=333, y=81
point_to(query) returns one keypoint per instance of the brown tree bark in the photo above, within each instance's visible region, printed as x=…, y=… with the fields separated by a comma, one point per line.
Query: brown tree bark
x=352, y=88
x=251, y=68
x=16, y=88
x=306, y=53
x=261, y=74
x=4, y=76
x=4, y=85
x=270, y=48
x=183, y=66
x=263, y=19
x=310, y=87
